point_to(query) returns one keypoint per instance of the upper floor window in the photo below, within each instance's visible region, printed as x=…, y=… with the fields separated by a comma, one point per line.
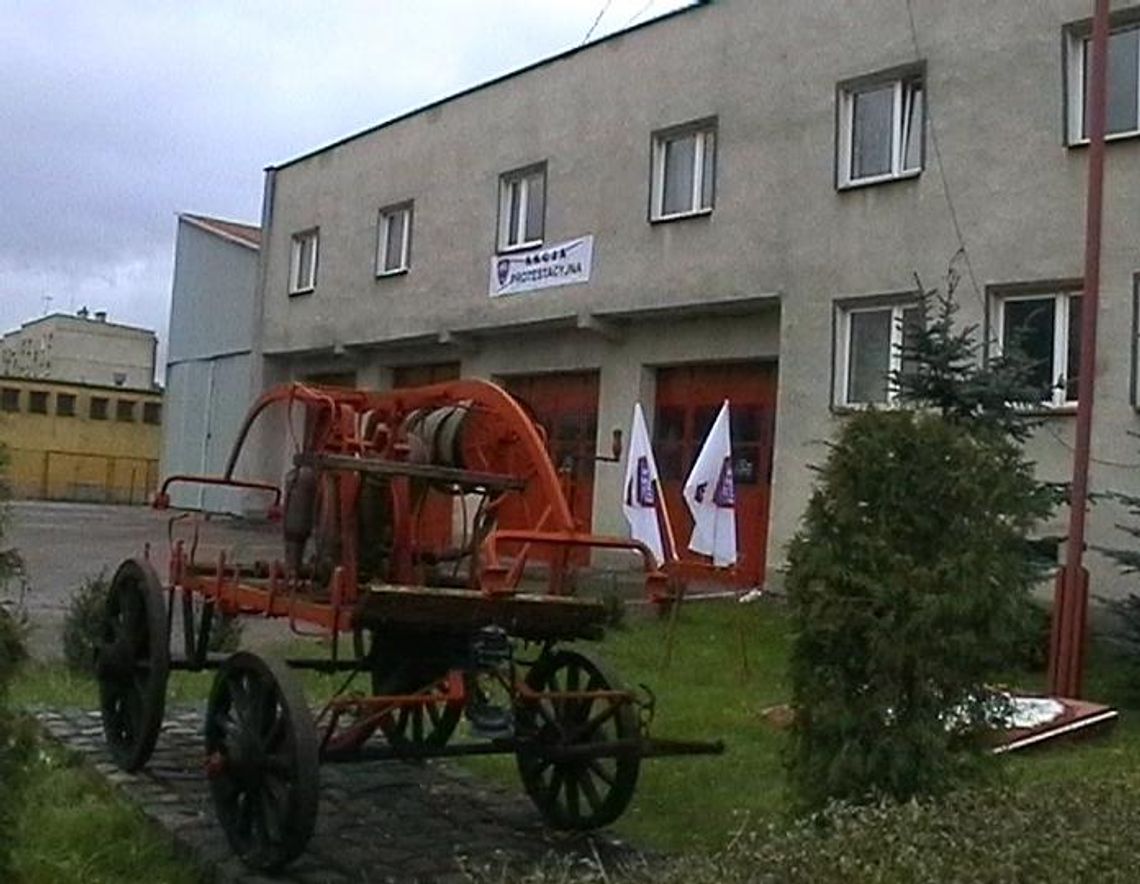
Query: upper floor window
x=684, y=171
x=881, y=123
x=871, y=340
x=522, y=207
x=303, y=262
x=37, y=402
x=1122, y=117
x=394, y=240
x=65, y=404
x=125, y=411
x=152, y=412
x=1046, y=327
x=10, y=399
x=98, y=408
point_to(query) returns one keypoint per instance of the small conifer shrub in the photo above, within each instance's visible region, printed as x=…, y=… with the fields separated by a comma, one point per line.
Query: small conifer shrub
x=909, y=579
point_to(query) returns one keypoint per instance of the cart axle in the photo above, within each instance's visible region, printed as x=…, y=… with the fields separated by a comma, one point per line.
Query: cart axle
x=642, y=748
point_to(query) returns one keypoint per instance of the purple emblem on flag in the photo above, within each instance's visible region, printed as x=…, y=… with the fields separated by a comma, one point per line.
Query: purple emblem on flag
x=725, y=494
x=645, y=493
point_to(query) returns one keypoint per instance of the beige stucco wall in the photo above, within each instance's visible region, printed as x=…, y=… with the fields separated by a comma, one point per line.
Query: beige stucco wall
x=995, y=158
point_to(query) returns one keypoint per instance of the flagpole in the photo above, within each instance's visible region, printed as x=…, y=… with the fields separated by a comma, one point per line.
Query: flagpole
x=671, y=630
x=1070, y=606
x=744, y=667
x=739, y=621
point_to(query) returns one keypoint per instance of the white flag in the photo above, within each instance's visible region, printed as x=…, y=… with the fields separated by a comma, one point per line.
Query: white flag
x=639, y=492
x=711, y=497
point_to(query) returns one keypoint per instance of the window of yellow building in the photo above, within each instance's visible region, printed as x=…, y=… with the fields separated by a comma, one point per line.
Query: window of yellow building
x=125, y=411
x=37, y=402
x=65, y=404
x=9, y=399
x=98, y=408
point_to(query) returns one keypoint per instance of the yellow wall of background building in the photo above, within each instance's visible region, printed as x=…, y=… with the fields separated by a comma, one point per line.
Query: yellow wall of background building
x=55, y=455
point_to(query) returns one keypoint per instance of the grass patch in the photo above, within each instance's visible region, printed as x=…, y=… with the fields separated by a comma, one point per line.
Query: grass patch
x=690, y=806
x=706, y=693
x=694, y=803
x=72, y=828
x=52, y=685
x=1111, y=679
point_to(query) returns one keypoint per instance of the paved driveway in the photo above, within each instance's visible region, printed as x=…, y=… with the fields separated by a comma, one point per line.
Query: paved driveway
x=64, y=543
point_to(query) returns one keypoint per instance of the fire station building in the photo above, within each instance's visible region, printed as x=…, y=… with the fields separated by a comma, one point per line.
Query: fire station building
x=730, y=201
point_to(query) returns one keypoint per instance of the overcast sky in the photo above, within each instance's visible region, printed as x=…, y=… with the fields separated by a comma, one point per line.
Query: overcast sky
x=115, y=115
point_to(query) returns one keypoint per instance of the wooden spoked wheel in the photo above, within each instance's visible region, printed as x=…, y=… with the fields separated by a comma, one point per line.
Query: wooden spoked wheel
x=430, y=724
x=132, y=664
x=586, y=791
x=397, y=670
x=262, y=761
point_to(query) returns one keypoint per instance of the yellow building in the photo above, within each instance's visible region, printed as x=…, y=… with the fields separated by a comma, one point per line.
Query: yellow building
x=69, y=441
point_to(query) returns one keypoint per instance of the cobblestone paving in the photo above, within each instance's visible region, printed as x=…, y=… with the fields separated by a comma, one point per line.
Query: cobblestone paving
x=385, y=821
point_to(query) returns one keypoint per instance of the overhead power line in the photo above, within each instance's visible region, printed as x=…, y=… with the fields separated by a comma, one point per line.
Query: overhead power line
x=965, y=253
x=644, y=9
x=597, y=19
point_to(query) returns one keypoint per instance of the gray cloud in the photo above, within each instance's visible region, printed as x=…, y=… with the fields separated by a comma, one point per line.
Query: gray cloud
x=115, y=115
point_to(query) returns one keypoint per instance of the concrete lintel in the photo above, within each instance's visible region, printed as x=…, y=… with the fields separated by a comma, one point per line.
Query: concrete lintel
x=462, y=342
x=725, y=306
x=603, y=328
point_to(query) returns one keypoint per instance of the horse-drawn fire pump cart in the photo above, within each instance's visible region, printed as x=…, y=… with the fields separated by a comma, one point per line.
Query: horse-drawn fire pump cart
x=438, y=632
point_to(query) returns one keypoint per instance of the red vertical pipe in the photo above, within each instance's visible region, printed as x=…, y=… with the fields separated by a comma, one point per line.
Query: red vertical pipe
x=1066, y=659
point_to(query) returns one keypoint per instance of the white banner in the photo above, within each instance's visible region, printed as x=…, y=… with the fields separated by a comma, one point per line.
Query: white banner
x=564, y=263
x=711, y=496
x=639, y=501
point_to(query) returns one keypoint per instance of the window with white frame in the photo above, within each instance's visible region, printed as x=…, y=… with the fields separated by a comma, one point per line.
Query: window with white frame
x=394, y=240
x=1123, y=99
x=684, y=171
x=881, y=125
x=522, y=207
x=871, y=341
x=303, y=262
x=1046, y=329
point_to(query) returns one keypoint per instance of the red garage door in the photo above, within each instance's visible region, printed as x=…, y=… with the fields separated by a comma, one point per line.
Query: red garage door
x=404, y=376
x=333, y=379
x=565, y=404
x=688, y=399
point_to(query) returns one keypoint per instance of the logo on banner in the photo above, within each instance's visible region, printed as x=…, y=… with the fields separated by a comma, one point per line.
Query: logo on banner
x=724, y=495
x=645, y=496
x=558, y=264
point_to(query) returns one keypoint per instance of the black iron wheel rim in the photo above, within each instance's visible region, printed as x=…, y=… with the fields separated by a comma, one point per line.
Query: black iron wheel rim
x=580, y=793
x=430, y=724
x=132, y=664
x=262, y=755
x=397, y=672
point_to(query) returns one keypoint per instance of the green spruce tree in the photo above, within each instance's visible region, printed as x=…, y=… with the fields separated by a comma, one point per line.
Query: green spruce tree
x=944, y=370
x=909, y=578
x=1124, y=627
